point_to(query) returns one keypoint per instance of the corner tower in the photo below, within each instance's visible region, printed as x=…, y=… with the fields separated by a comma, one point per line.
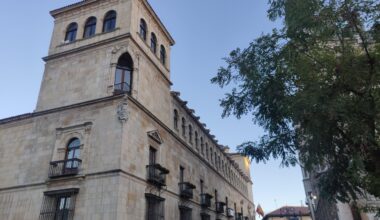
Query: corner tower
x=101, y=48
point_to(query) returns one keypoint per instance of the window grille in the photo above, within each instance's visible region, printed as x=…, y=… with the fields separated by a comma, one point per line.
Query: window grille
x=155, y=207
x=59, y=204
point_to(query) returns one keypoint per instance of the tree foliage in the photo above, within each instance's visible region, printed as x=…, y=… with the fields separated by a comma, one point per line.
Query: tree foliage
x=314, y=86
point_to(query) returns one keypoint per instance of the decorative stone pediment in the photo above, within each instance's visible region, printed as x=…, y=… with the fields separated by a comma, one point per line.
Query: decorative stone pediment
x=155, y=135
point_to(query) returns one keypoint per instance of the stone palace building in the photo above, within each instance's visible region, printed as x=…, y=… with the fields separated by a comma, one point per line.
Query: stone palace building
x=108, y=138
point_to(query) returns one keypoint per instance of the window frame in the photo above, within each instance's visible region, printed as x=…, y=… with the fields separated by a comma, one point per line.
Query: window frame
x=109, y=22
x=124, y=68
x=163, y=54
x=143, y=29
x=153, y=43
x=90, y=27
x=71, y=32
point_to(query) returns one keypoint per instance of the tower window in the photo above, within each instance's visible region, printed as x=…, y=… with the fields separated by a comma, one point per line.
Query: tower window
x=72, y=153
x=143, y=29
x=153, y=43
x=71, y=32
x=163, y=55
x=90, y=27
x=123, y=74
x=109, y=21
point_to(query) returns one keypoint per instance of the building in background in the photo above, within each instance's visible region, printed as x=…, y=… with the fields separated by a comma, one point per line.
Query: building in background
x=108, y=139
x=289, y=213
x=321, y=209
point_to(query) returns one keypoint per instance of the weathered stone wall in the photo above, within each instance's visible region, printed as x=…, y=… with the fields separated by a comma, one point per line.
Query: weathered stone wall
x=28, y=146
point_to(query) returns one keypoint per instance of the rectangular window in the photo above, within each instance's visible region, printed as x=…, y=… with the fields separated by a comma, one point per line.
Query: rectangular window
x=155, y=207
x=59, y=204
x=181, y=173
x=201, y=186
x=152, y=156
x=184, y=213
x=205, y=216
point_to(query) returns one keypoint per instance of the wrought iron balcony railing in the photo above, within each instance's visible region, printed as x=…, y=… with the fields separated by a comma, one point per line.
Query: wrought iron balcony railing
x=219, y=207
x=157, y=174
x=120, y=88
x=61, y=168
x=61, y=214
x=186, y=190
x=206, y=200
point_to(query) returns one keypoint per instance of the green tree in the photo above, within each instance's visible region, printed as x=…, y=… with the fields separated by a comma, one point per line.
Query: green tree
x=314, y=86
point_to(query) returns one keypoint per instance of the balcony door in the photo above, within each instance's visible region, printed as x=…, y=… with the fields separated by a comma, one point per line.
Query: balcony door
x=123, y=74
x=72, y=153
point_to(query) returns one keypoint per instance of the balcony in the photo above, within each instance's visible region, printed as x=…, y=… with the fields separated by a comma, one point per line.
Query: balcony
x=121, y=88
x=220, y=207
x=157, y=174
x=63, y=168
x=230, y=212
x=206, y=200
x=186, y=190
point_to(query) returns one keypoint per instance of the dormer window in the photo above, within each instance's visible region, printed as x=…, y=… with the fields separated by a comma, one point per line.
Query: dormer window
x=153, y=43
x=109, y=21
x=90, y=27
x=123, y=74
x=163, y=55
x=143, y=29
x=71, y=32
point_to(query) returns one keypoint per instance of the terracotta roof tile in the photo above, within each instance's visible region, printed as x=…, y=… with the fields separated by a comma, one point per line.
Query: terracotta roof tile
x=289, y=211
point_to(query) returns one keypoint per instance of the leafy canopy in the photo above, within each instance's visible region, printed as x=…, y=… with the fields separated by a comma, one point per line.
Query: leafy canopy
x=314, y=86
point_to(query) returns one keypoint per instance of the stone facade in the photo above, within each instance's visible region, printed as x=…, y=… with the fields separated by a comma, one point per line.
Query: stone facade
x=323, y=209
x=107, y=176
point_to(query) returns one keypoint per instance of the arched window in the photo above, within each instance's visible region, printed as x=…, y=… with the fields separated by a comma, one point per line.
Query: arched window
x=71, y=32
x=143, y=29
x=163, y=55
x=109, y=23
x=72, y=153
x=123, y=74
x=175, y=119
x=210, y=155
x=153, y=43
x=90, y=27
x=202, y=146
x=183, y=127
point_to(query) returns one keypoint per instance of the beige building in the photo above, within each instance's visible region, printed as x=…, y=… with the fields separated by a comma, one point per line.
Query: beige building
x=108, y=138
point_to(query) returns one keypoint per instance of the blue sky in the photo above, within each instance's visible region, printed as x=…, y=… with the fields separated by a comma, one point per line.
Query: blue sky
x=205, y=32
